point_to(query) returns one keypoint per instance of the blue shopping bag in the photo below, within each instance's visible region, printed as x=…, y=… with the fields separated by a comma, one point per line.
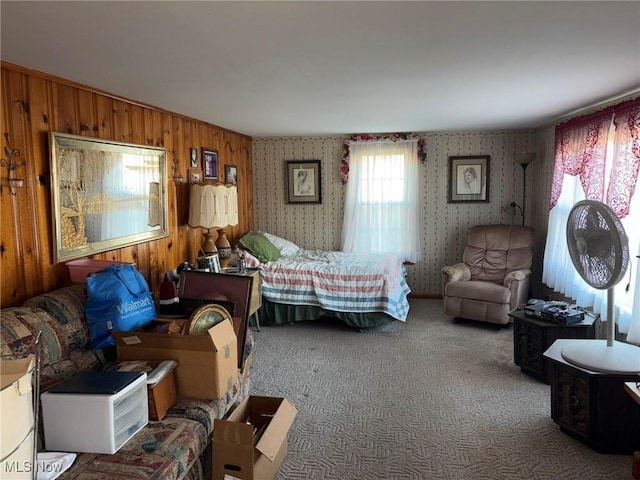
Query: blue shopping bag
x=118, y=299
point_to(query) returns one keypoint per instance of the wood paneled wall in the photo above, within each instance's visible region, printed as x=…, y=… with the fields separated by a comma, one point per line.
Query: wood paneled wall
x=34, y=104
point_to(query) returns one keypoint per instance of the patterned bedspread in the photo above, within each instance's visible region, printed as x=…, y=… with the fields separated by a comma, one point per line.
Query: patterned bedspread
x=338, y=281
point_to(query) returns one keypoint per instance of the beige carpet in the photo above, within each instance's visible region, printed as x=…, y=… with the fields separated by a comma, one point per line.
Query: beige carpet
x=425, y=399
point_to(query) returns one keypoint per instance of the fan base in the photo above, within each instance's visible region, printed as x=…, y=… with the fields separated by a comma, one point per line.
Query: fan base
x=597, y=356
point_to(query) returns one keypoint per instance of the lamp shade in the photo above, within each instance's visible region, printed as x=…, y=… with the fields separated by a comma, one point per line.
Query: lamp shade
x=214, y=206
x=206, y=207
x=524, y=158
x=230, y=204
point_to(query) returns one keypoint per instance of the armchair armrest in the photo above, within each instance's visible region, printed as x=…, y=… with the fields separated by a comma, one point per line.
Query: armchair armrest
x=515, y=275
x=518, y=283
x=457, y=272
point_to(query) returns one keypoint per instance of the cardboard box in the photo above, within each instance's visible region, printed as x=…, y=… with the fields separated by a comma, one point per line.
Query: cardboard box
x=17, y=417
x=252, y=442
x=207, y=364
x=161, y=386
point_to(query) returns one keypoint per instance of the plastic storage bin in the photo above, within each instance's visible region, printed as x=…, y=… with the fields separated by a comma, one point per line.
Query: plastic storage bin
x=95, y=412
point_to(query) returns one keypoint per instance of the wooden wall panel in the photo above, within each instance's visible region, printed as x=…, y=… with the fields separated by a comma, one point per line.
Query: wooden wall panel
x=11, y=251
x=35, y=104
x=37, y=174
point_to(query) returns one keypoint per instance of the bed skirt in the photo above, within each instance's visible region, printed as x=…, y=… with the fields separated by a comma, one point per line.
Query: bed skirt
x=272, y=313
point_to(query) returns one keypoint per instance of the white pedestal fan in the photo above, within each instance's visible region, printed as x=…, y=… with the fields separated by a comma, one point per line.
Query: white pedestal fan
x=599, y=250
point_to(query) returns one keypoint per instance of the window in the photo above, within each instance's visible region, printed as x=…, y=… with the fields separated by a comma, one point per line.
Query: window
x=597, y=157
x=381, y=205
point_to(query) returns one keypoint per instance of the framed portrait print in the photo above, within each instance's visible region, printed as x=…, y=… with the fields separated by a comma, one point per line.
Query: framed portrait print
x=194, y=176
x=193, y=154
x=303, y=181
x=469, y=179
x=231, y=174
x=210, y=163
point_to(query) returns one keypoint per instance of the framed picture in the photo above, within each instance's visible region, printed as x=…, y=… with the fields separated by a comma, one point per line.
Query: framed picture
x=194, y=176
x=231, y=174
x=193, y=153
x=234, y=291
x=303, y=181
x=469, y=179
x=210, y=163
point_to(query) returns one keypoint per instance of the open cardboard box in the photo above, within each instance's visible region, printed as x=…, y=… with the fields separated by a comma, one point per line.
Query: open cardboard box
x=207, y=364
x=252, y=442
x=161, y=385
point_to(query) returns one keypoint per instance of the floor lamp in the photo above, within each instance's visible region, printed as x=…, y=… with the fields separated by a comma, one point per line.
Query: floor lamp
x=524, y=159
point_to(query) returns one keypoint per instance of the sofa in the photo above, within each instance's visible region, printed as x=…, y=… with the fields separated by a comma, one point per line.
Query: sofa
x=174, y=448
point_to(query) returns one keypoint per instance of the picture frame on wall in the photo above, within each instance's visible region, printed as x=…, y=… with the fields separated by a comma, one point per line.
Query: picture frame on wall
x=193, y=154
x=231, y=174
x=195, y=176
x=469, y=179
x=303, y=181
x=210, y=163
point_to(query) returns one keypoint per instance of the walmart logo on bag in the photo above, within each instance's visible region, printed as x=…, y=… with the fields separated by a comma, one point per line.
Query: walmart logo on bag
x=134, y=305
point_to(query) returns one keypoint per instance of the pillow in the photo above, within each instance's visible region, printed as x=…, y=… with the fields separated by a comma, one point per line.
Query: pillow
x=260, y=246
x=285, y=246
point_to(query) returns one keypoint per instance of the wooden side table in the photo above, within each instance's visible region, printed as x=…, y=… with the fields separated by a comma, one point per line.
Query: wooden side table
x=532, y=336
x=593, y=407
x=255, y=302
x=633, y=389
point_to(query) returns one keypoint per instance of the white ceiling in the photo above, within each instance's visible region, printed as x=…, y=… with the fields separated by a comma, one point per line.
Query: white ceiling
x=325, y=68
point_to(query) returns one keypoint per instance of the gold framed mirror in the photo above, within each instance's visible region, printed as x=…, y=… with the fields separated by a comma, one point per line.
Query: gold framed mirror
x=105, y=195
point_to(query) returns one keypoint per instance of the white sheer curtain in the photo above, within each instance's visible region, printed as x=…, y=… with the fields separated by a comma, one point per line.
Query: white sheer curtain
x=381, y=212
x=560, y=274
x=592, y=162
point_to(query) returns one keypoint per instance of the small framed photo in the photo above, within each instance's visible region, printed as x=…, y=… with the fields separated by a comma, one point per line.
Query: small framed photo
x=210, y=163
x=231, y=174
x=194, y=176
x=303, y=181
x=469, y=179
x=194, y=157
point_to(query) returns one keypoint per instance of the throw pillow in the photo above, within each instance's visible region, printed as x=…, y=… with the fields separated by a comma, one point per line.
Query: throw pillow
x=260, y=246
x=285, y=246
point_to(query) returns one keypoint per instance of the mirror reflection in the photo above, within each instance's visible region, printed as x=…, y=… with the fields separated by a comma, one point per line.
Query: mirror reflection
x=106, y=194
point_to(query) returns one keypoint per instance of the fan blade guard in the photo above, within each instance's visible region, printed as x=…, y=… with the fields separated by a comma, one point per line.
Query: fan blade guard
x=597, y=244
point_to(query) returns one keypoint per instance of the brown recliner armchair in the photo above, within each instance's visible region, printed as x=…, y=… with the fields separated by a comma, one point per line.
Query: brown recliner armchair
x=493, y=277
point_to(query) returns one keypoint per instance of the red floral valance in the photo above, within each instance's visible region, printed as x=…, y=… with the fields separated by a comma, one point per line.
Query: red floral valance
x=580, y=150
x=393, y=137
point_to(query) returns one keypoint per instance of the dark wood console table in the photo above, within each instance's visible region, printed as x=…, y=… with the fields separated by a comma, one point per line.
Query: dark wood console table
x=531, y=337
x=593, y=407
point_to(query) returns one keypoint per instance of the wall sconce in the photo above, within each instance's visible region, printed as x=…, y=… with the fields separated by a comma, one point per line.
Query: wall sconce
x=10, y=163
x=524, y=159
x=177, y=178
x=513, y=206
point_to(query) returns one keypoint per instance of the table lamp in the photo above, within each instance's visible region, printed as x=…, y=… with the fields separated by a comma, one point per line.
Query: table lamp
x=205, y=211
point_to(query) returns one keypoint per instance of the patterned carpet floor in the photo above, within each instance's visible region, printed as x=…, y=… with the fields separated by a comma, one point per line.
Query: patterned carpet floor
x=425, y=399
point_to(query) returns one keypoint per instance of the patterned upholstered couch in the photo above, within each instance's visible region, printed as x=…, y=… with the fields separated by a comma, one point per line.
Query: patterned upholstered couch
x=176, y=447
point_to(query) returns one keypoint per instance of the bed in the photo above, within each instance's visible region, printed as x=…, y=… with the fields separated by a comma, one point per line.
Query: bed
x=362, y=290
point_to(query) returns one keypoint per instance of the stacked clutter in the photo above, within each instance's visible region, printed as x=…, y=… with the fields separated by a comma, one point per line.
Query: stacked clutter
x=169, y=301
